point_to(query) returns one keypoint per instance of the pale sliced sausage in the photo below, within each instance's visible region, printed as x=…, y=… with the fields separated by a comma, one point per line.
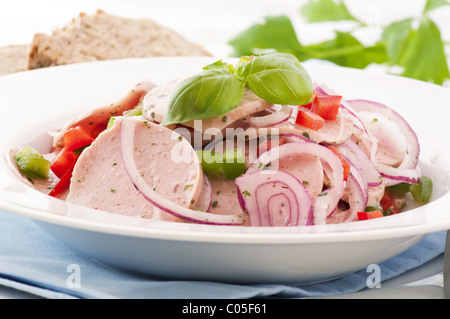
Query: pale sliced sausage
x=100, y=181
x=96, y=120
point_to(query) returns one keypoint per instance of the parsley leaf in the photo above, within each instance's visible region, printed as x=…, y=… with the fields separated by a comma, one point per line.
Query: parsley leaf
x=347, y=51
x=425, y=57
x=434, y=4
x=419, y=52
x=396, y=38
x=325, y=10
x=275, y=33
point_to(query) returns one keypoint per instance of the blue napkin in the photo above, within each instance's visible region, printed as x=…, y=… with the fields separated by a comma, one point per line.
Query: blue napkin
x=34, y=262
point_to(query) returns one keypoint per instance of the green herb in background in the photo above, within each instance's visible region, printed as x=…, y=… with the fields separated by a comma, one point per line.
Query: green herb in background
x=413, y=44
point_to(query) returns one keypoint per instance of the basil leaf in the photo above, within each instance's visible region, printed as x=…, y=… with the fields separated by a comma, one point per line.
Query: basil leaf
x=279, y=78
x=219, y=65
x=210, y=93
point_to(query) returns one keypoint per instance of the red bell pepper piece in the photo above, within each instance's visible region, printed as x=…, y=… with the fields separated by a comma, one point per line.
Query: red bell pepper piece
x=63, y=162
x=326, y=106
x=387, y=203
x=76, y=138
x=369, y=215
x=344, y=162
x=63, y=183
x=309, y=119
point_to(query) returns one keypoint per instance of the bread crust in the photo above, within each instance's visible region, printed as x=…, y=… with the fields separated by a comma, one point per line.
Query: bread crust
x=102, y=36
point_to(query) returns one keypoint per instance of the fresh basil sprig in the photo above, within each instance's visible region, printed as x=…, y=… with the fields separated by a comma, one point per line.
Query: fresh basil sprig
x=211, y=93
x=278, y=78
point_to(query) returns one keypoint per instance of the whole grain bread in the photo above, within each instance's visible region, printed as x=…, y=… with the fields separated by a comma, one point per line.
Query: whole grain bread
x=13, y=58
x=102, y=36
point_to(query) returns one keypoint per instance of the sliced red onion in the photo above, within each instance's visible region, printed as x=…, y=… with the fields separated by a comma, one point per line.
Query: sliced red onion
x=128, y=125
x=362, y=193
x=205, y=200
x=326, y=90
x=408, y=171
x=358, y=123
x=274, y=198
x=359, y=159
x=277, y=117
x=357, y=200
x=291, y=137
x=326, y=202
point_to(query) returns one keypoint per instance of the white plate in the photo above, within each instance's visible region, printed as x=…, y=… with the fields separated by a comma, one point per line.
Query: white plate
x=36, y=101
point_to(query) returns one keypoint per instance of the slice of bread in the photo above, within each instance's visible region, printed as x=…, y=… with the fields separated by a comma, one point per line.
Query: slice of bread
x=102, y=36
x=13, y=58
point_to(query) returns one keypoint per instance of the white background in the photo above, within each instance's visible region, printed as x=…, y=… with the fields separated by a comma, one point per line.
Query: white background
x=208, y=22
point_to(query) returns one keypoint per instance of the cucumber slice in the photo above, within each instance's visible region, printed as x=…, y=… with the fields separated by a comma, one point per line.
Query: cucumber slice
x=31, y=163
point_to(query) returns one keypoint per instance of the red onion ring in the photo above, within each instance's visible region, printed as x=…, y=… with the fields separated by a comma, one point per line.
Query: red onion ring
x=205, y=200
x=408, y=171
x=326, y=90
x=327, y=201
x=128, y=125
x=274, y=198
x=359, y=124
x=277, y=117
x=358, y=157
x=357, y=199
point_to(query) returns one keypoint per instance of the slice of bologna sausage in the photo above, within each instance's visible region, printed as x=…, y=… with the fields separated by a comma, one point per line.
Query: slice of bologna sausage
x=100, y=181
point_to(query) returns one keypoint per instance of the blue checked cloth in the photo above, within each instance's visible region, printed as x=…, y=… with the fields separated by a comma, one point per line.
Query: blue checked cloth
x=34, y=262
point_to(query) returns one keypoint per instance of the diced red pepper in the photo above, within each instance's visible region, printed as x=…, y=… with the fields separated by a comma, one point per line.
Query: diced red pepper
x=63, y=183
x=326, y=106
x=387, y=203
x=344, y=162
x=309, y=105
x=76, y=138
x=309, y=119
x=369, y=215
x=63, y=162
